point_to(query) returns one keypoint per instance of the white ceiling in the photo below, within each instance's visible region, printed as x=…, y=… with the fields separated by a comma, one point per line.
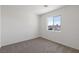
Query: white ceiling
x=37, y=9
x=40, y=9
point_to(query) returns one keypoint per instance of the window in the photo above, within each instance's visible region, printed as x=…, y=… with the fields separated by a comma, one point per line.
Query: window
x=50, y=23
x=54, y=23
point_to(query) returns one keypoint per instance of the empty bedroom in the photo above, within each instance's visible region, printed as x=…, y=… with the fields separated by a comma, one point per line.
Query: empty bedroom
x=39, y=28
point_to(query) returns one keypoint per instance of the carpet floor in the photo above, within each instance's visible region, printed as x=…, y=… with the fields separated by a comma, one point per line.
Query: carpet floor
x=38, y=45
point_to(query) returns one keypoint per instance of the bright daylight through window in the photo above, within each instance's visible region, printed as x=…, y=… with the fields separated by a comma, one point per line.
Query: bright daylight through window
x=54, y=23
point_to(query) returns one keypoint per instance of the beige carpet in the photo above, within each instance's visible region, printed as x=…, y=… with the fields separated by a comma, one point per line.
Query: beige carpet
x=38, y=45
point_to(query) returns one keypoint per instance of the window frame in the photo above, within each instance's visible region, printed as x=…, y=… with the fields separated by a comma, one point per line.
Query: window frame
x=53, y=23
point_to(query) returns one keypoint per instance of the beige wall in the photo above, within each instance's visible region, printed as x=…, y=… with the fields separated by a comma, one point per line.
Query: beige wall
x=18, y=24
x=69, y=34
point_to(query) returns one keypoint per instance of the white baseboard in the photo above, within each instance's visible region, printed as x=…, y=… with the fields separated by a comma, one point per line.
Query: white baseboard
x=60, y=43
x=18, y=41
